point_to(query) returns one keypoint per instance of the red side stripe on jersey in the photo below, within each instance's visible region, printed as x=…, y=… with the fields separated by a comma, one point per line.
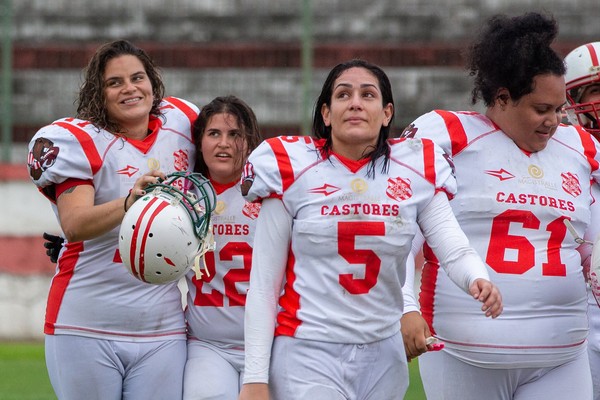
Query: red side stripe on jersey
x=60, y=282
x=87, y=144
x=428, y=281
x=287, y=320
x=283, y=162
x=429, y=160
x=187, y=110
x=593, y=54
x=458, y=136
x=589, y=149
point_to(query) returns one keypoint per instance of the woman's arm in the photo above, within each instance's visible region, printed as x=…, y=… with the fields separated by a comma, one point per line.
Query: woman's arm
x=269, y=258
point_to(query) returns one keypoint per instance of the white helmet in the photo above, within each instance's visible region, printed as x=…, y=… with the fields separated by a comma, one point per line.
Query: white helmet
x=165, y=231
x=583, y=68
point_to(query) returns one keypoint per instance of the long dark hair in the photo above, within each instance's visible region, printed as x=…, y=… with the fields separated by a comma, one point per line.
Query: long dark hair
x=245, y=118
x=322, y=131
x=91, y=103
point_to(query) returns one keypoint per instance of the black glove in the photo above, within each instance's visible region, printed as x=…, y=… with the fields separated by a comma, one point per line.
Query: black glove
x=53, y=245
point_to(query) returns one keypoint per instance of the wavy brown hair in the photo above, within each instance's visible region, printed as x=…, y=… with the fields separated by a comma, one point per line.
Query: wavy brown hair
x=91, y=102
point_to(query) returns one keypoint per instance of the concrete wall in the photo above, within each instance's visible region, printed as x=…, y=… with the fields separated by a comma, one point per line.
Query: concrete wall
x=59, y=29
x=280, y=20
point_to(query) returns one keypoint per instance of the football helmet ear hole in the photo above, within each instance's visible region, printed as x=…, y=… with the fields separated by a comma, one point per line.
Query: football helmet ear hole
x=175, y=214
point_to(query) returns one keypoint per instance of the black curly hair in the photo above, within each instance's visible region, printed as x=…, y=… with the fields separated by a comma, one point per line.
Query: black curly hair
x=510, y=52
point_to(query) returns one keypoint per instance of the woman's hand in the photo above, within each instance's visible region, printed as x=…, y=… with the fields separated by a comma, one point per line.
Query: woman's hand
x=489, y=294
x=414, y=334
x=254, y=391
x=140, y=185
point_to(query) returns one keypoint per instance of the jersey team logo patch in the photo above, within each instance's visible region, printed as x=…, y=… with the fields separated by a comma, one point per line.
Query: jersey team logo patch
x=153, y=164
x=359, y=186
x=41, y=157
x=251, y=210
x=220, y=207
x=399, y=189
x=181, y=162
x=535, y=171
x=570, y=184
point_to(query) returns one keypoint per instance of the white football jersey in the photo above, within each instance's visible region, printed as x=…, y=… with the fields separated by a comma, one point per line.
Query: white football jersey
x=351, y=233
x=92, y=293
x=512, y=206
x=216, y=302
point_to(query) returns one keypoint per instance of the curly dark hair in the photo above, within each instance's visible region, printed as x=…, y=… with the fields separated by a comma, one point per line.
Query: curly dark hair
x=322, y=131
x=510, y=52
x=245, y=118
x=91, y=103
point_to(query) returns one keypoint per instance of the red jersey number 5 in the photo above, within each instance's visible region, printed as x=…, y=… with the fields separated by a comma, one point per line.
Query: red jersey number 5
x=347, y=233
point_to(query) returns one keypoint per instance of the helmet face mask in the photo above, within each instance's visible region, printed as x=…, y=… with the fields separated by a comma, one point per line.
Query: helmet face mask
x=163, y=232
x=583, y=69
x=586, y=115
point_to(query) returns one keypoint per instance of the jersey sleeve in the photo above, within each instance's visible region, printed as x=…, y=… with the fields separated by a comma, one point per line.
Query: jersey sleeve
x=591, y=151
x=272, y=237
x=57, y=154
x=186, y=115
x=431, y=125
x=270, y=168
x=429, y=160
x=445, y=177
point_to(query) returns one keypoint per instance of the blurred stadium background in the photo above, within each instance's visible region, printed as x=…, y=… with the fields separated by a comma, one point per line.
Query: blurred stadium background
x=272, y=53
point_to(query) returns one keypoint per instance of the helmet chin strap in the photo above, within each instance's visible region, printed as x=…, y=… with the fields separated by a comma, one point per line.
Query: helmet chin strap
x=208, y=244
x=593, y=121
x=587, y=120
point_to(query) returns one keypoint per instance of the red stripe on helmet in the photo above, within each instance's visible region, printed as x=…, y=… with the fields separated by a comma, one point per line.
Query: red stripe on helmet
x=133, y=256
x=593, y=54
x=154, y=214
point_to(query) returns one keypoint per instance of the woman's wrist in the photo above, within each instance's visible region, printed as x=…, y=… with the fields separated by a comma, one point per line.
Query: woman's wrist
x=125, y=203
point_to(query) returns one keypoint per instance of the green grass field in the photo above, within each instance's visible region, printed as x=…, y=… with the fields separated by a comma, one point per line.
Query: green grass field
x=23, y=374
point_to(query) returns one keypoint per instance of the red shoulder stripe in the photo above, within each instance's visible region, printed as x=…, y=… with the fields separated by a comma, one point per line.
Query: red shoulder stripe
x=187, y=110
x=87, y=144
x=458, y=136
x=429, y=160
x=589, y=149
x=284, y=163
